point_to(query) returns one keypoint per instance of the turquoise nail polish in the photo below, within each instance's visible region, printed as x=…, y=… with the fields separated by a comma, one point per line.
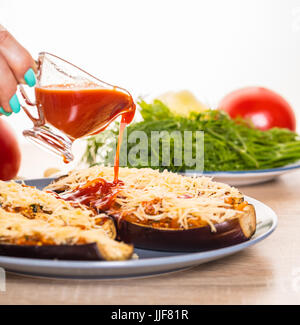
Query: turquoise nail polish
x=15, y=104
x=2, y=111
x=29, y=78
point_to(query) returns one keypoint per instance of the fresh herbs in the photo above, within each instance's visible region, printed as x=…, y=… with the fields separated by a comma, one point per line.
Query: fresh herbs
x=229, y=145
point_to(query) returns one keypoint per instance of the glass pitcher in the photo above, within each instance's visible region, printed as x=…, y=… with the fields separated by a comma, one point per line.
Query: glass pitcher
x=71, y=104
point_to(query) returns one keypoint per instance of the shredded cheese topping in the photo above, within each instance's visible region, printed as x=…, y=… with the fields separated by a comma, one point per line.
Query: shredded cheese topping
x=152, y=195
x=27, y=213
x=15, y=227
x=37, y=204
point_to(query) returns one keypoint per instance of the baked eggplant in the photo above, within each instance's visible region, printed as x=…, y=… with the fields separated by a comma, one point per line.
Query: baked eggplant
x=166, y=211
x=36, y=224
x=227, y=233
x=21, y=237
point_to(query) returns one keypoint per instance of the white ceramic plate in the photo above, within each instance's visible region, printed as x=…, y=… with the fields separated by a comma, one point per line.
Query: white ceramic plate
x=150, y=262
x=241, y=178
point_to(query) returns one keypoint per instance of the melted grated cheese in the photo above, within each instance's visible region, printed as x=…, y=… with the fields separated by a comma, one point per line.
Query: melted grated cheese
x=26, y=212
x=16, y=197
x=170, y=195
x=14, y=226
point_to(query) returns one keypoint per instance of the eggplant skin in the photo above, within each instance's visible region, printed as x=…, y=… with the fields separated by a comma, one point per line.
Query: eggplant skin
x=227, y=233
x=85, y=252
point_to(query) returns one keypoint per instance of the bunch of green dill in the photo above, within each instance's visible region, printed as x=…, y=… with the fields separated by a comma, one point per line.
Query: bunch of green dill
x=229, y=145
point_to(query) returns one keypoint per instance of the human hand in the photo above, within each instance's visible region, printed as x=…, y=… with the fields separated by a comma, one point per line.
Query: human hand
x=16, y=66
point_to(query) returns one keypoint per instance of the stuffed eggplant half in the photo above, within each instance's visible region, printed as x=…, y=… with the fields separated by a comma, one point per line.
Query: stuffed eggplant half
x=162, y=210
x=36, y=224
x=193, y=238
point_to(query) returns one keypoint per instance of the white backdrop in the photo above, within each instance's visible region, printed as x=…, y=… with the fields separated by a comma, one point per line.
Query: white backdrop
x=149, y=47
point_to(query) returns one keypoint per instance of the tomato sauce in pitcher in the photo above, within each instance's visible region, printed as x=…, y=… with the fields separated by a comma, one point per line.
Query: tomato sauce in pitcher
x=79, y=111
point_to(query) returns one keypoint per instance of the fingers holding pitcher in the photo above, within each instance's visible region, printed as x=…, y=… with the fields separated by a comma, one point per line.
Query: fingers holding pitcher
x=8, y=86
x=18, y=58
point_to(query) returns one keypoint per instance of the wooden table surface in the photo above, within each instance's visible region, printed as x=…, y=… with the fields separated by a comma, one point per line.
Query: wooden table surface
x=267, y=273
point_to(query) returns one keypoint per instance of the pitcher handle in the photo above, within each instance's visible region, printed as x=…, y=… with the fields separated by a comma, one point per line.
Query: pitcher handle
x=36, y=121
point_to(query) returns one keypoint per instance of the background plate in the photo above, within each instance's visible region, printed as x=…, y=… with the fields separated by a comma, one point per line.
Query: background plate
x=240, y=178
x=149, y=263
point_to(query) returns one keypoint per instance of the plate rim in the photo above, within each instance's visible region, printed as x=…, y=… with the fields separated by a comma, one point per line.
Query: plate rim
x=243, y=172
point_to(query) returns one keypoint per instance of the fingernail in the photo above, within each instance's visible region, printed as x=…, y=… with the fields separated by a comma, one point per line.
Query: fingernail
x=15, y=104
x=2, y=111
x=29, y=78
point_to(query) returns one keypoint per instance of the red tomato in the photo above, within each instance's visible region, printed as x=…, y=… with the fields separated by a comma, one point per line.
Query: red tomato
x=10, y=154
x=264, y=107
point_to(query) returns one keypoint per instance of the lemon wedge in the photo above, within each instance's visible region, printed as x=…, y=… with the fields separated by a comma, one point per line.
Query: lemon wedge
x=182, y=102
